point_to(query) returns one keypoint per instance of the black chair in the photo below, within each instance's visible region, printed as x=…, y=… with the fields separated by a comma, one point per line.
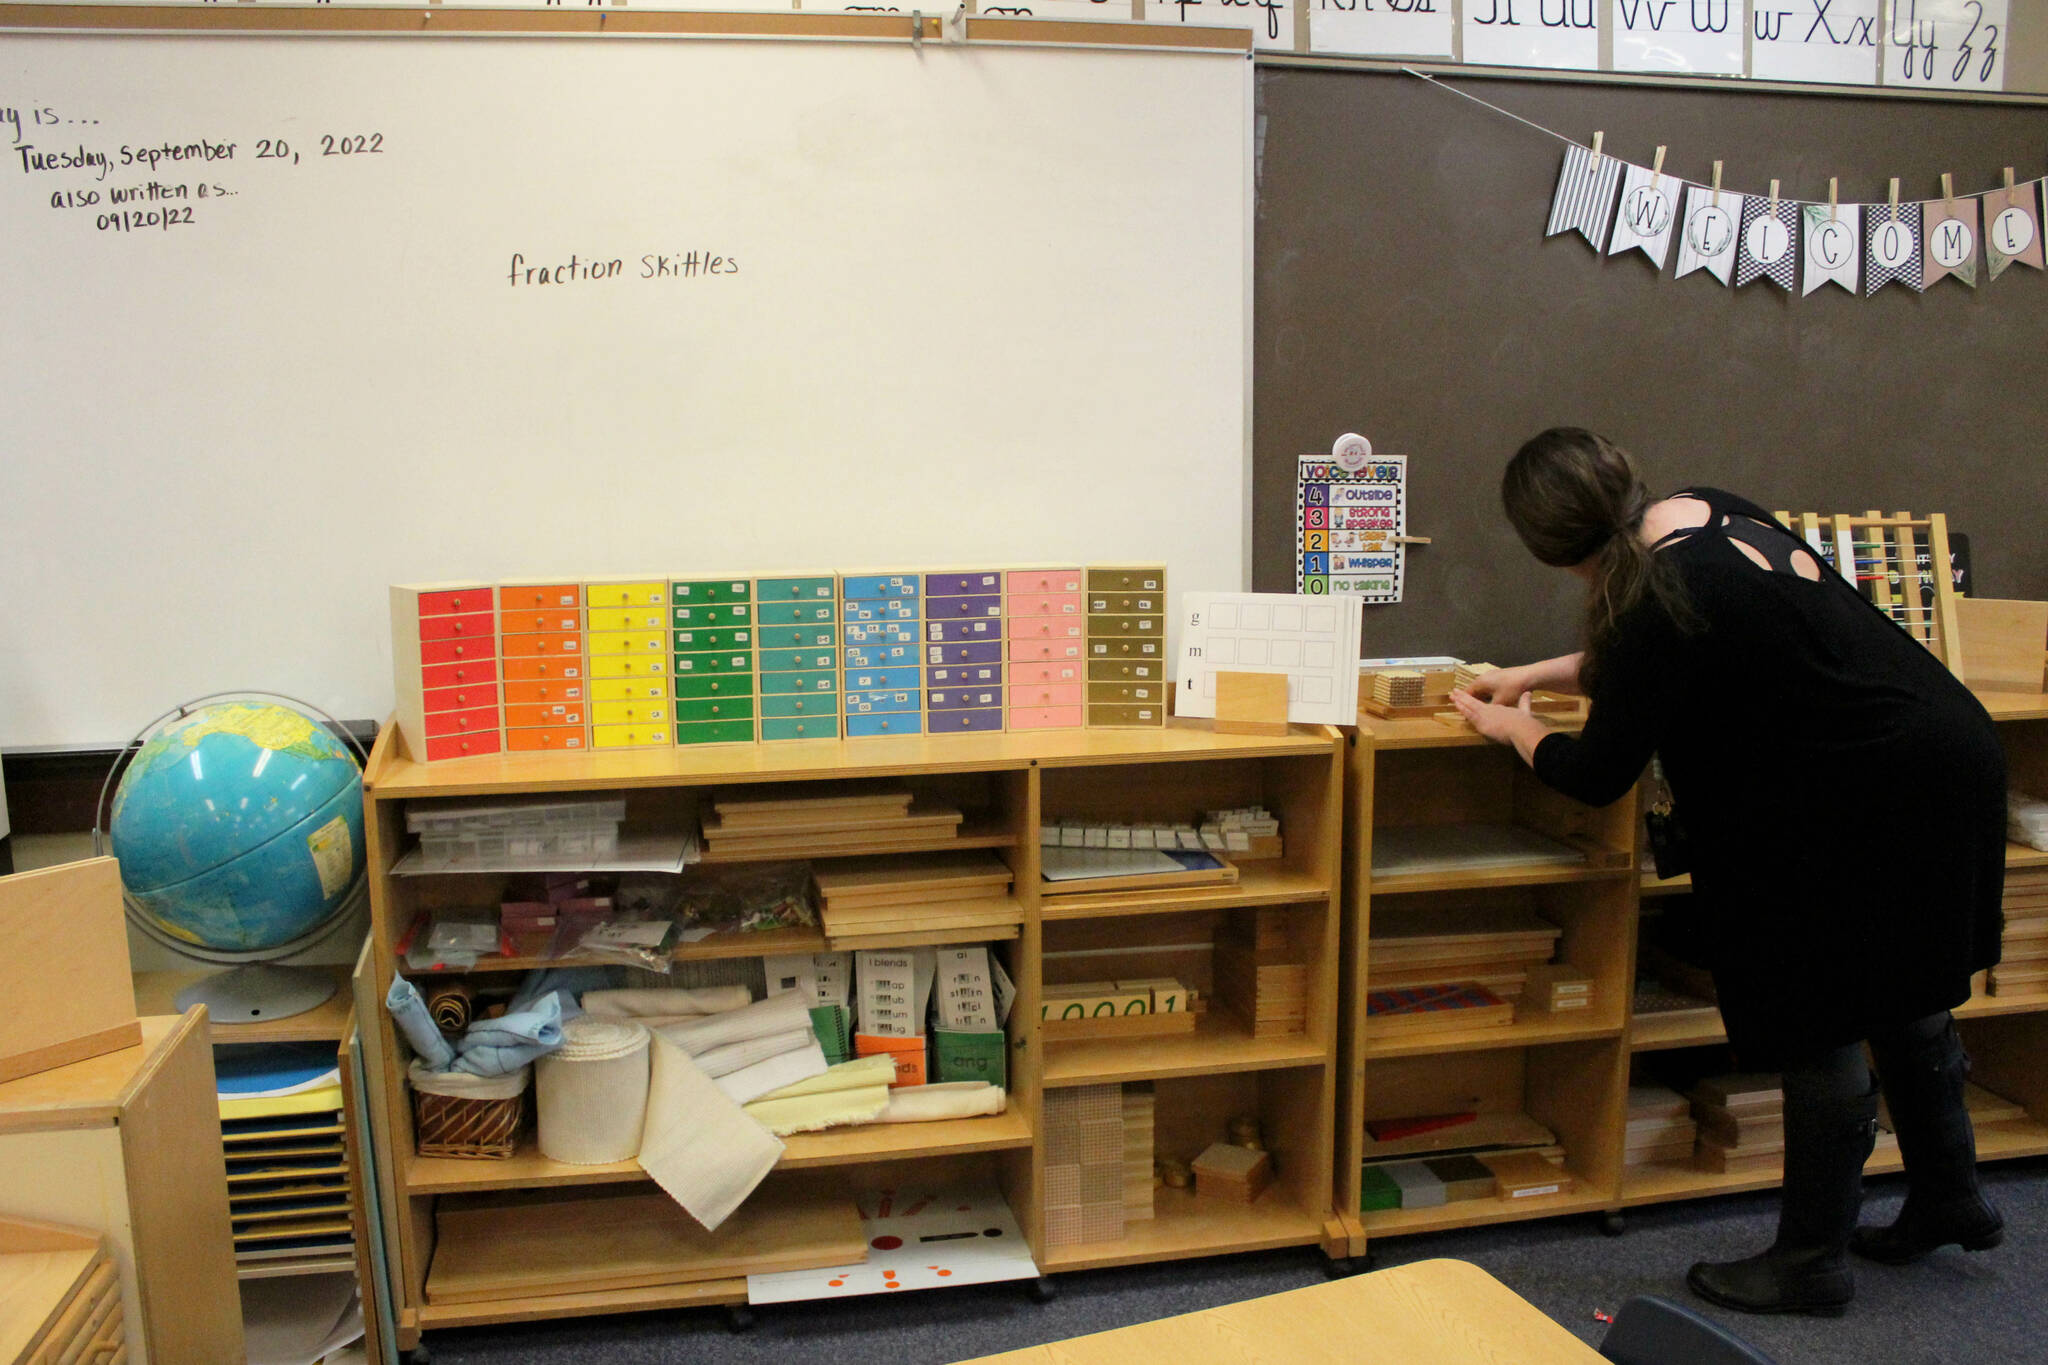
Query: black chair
x=1653, y=1331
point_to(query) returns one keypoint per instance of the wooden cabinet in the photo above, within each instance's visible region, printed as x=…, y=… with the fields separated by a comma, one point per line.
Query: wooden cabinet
x=128, y=1145
x=1008, y=785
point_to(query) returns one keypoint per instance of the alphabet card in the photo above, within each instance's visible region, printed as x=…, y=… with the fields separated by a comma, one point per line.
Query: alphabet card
x=1832, y=42
x=1649, y=207
x=1707, y=240
x=1765, y=249
x=2012, y=227
x=1350, y=524
x=1556, y=33
x=1697, y=37
x=917, y=1239
x=1951, y=239
x=1891, y=243
x=1405, y=28
x=1833, y=246
x=1312, y=640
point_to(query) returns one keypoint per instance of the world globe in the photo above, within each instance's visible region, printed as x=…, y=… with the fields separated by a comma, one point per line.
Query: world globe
x=239, y=829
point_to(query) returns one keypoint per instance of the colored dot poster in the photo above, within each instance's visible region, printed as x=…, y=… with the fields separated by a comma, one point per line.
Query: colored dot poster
x=1348, y=525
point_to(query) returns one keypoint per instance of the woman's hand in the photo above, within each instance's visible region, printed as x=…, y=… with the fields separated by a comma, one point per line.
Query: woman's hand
x=1515, y=725
x=1504, y=686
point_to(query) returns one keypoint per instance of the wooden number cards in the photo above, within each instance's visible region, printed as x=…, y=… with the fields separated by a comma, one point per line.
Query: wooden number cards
x=642, y=662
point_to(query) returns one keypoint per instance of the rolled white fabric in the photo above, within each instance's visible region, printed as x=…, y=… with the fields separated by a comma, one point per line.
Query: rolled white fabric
x=723, y=1061
x=666, y=1003
x=776, y=1014
x=950, y=1100
x=772, y=1074
x=592, y=1093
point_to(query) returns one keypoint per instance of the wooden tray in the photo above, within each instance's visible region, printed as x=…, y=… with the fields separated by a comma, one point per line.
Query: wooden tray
x=1225, y=875
x=1117, y=1026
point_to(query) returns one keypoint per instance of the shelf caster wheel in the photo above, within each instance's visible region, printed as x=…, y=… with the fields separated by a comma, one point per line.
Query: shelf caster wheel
x=421, y=1354
x=739, y=1317
x=1042, y=1289
x=1339, y=1268
x=1613, y=1224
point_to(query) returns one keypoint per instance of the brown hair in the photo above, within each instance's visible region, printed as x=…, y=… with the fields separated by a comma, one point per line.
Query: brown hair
x=1573, y=496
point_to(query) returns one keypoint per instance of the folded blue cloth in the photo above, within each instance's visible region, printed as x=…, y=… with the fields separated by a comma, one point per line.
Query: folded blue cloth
x=409, y=1012
x=493, y=1047
x=565, y=984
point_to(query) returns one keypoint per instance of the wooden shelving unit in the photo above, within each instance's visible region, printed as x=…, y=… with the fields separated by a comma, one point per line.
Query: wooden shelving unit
x=1009, y=784
x=1573, y=1073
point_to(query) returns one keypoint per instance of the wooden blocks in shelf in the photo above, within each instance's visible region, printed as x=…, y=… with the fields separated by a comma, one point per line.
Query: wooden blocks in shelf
x=1526, y=1175
x=1557, y=988
x=2023, y=963
x=1237, y=1174
x=1251, y=703
x=1084, y=1164
x=1140, y=1104
x=1261, y=976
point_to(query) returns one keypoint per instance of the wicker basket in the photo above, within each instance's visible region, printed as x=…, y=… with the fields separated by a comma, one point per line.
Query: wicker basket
x=447, y=1122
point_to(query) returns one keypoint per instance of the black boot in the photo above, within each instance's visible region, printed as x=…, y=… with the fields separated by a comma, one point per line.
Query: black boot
x=1805, y=1271
x=1923, y=1087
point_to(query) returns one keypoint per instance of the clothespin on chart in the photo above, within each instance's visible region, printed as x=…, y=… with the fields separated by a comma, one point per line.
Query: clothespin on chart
x=1717, y=184
x=1657, y=169
x=1831, y=197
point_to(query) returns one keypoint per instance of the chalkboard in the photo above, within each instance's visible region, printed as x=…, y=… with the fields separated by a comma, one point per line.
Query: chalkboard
x=292, y=318
x=1405, y=290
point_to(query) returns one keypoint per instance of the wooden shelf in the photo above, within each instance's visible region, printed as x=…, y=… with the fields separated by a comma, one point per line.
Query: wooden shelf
x=324, y=1023
x=2025, y=855
x=1218, y=1044
x=795, y=760
x=1490, y=878
x=538, y=1307
x=1467, y=1213
x=1985, y=1006
x=2015, y=705
x=1430, y=733
x=1656, y=1184
x=1183, y=1224
x=1258, y=883
x=704, y=950
x=1657, y=1032
x=342, y=1264
x=1653, y=885
x=528, y=1169
x=1525, y=1032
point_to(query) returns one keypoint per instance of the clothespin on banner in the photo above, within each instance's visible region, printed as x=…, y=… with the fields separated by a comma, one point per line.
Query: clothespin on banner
x=1774, y=199
x=1895, y=196
x=1717, y=184
x=1948, y=192
x=1831, y=198
x=1657, y=169
x=1598, y=138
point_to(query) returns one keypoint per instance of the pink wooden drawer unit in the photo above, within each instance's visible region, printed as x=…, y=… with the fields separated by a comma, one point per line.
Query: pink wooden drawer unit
x=444, y=659
x=1045, y=717
x=1046, y=615
x=1046, y=694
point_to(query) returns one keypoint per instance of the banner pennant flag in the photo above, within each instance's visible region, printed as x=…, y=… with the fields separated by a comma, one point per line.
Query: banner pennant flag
x=1766, y=246
x=1951, y=241
x=1706, y=237
x=1585, y=195
x=1891, y=245
x=2012, y=228
x=1834, y=244
x=1649, y=209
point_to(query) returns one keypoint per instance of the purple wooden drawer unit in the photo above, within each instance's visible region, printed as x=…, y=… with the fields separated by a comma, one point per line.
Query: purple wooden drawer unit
x=956, y=722
x=980, y=675
x=986, y=652
x=963, y=631
x=961, y=584
x=959, y=608
x=962, y=698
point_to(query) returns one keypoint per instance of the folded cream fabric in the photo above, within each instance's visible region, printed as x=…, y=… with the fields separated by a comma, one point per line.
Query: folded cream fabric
x=950, y=1100
x=669, y=1002
x=723, y=1061
x=859, y=1074
x=697, y=1144
x=811, y=1111
x=773, y=1073
x=776, y=1014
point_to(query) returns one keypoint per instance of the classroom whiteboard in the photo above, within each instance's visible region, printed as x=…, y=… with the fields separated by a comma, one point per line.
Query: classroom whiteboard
x=871, y=306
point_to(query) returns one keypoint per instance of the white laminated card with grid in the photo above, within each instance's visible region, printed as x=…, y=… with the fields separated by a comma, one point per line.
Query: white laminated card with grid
x=1313, y=640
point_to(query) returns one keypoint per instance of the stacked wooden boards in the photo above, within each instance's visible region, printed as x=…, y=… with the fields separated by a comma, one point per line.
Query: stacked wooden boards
x=957, y=895
x=1474, y=959
x=288, y=1191
x=585, y=1241
x=1085, y=1172
x=1661, y=1129
x=810, y=823
x=60, y=1297
x=1741, y=1123
x=2023, y=960
x=1261, y=973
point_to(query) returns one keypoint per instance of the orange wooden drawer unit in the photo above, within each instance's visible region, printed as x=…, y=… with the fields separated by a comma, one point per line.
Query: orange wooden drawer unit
x=444, y=658
x=547, y=679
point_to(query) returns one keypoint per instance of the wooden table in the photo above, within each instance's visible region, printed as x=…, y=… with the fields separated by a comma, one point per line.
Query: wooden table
x=1439, y=1312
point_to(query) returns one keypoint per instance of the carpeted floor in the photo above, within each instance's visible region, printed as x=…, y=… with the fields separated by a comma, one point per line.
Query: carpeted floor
x=1985, y=1309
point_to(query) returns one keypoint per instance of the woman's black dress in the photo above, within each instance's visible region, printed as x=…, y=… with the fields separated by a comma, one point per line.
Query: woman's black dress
x=1843, y=793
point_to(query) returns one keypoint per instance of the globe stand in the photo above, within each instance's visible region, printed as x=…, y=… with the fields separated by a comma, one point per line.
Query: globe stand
x=257, y=992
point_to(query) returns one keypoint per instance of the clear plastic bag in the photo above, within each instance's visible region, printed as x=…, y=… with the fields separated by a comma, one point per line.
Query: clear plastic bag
x=748, y=897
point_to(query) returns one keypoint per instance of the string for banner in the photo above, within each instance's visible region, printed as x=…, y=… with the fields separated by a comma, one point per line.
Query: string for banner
x=1484, y=104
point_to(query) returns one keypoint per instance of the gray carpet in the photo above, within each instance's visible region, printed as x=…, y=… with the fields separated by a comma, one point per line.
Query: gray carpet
x=1986, y=1309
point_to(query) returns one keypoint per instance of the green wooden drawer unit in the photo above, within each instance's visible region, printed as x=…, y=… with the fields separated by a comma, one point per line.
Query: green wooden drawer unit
x=714, y=663
x=716, y=732
x=685, y=593
x=786, y=704
x=701, y=641
x=691, y=685
x=715, y=708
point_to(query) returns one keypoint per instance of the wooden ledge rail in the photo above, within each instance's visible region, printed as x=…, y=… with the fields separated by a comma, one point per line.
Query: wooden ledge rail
x=610, y=21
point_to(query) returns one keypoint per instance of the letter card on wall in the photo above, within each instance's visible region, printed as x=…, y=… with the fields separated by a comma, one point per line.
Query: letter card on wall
x=1349, y=524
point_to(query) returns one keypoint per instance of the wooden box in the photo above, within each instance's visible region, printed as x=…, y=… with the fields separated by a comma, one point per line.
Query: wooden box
x=64, y=974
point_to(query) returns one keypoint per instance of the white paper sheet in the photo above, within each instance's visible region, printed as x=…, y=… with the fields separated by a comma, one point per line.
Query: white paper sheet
x=1833, y=42
x=1946, y=44
x=1698, y=37
x=1312, y=641
x=917, y=1239
x=1369, y=28
x=1562, y=34
x=1271, y=21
